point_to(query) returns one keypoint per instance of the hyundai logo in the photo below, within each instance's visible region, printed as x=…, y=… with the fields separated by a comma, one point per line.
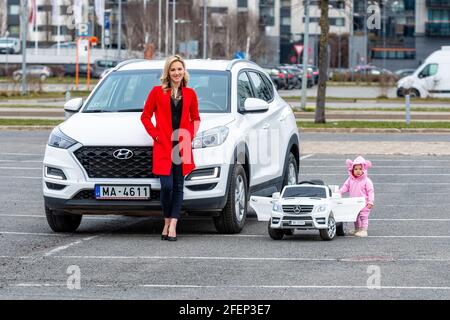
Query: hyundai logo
x=297, y=209
x=123, y=154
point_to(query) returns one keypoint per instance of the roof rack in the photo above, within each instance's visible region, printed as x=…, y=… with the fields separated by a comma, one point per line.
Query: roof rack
x=126, y=62
x=233, y=62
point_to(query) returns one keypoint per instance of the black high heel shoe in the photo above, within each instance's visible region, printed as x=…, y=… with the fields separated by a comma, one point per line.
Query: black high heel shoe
x=164, y=237
x=169, y=238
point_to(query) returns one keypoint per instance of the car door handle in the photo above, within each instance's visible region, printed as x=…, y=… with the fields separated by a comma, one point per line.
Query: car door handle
x=266, y=126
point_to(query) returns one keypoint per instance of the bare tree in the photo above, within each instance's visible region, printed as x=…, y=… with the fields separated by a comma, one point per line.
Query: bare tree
x=3, y=12
x=323, y=62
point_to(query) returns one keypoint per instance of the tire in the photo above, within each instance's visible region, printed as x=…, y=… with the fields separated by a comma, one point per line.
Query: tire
x=275, y=234
x=233, y=216
x=62, y=222
x=341, y=229
x=290, y=170
x=414, y=93
x=329, y=233
x=288, y=232
x=400, y=93
x=42, y=77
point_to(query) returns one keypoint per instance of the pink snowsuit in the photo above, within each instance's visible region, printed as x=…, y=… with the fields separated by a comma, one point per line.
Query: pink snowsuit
x=360, y=186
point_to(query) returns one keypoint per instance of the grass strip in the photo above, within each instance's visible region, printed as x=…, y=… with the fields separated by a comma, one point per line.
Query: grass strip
x=29, y=122
x=375, y=125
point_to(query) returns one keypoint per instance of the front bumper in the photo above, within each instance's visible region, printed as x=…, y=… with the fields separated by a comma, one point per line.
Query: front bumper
x=76, y=192
x=301, y=221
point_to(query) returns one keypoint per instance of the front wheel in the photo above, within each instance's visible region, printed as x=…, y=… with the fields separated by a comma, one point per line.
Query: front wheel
x=341, y=229
x=329, y=233
x=62, y=222
x=290, y=172
x=275, y=234
x=233, y=216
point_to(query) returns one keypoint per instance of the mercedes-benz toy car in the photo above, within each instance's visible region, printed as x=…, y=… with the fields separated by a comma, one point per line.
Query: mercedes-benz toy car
x=305, y=206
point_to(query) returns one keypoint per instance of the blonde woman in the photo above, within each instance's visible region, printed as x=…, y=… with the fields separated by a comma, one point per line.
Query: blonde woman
x=177, y=121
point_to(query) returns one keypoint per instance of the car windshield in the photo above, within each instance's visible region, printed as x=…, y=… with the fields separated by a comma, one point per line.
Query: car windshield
x=7, y=41
x=304, y=191
x=127, y=91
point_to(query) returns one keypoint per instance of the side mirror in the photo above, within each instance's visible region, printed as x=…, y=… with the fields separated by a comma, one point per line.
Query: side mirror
x=254, y=105
x=72, y=106
x=276, y=195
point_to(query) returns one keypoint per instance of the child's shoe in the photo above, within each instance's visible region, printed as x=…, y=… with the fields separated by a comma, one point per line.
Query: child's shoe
x=361, y=233
x=353, y=232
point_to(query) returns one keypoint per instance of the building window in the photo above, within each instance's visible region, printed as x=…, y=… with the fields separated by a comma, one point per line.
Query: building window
x=14, y=9
x=393, y=53
x=242, y=4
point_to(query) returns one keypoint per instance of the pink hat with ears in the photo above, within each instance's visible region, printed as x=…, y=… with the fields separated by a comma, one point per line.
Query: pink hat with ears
x=366, y=164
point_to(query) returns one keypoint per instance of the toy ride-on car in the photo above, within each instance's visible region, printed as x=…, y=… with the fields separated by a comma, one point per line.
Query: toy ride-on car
x=306, y=206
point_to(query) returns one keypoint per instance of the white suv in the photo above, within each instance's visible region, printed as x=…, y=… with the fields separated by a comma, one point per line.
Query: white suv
x=99, y=161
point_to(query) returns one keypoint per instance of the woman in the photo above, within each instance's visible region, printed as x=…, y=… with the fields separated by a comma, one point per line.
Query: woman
x=177, y=122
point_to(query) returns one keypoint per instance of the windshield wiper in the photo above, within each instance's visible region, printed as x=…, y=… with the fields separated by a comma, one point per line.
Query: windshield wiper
x=130, y=110
x=96, y=111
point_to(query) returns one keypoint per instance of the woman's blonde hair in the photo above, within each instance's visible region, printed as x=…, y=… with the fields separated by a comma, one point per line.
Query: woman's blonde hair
x=165, y=76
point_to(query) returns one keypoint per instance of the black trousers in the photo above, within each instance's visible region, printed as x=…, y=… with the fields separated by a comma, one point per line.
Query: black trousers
x=172, y=192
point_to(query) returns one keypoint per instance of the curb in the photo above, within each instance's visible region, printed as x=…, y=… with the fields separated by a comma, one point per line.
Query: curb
x=374, y=130
x=307, y=130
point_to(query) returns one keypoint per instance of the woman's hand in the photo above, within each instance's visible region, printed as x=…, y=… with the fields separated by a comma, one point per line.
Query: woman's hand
x=369, y=206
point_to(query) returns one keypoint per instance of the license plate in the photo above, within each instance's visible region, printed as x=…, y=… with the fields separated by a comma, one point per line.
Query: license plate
x=116, y=192
x=298, y=223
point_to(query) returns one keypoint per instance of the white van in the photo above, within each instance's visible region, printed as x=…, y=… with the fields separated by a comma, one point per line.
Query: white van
x=431, y=79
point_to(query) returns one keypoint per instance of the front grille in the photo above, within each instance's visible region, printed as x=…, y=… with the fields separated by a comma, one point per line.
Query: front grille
x=90, y=195
x=303, y=209
x=287, y=218
x=99, y=162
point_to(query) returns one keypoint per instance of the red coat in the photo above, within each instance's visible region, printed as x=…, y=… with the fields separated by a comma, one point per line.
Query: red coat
x=158, y=102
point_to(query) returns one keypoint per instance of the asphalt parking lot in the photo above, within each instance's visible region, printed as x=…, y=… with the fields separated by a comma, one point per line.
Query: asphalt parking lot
x=406, y=255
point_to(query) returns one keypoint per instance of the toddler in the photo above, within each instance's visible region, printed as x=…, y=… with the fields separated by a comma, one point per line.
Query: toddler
x=358, y=184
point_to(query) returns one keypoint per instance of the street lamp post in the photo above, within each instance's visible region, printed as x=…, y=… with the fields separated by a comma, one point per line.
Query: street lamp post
x=119, y=40
x=23, y=31
x=174, y=5
x=305, y=55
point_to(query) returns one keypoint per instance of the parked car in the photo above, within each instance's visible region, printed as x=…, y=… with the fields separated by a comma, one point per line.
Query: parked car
x=101, y=65
x=310, y=205
x=37, y=71
x=10, y=45
x=278, y=77
x=292, y=78
x=403, y=73
x=65, y=45
x=247, y=144
x=70, y=69
x=431, y=79
x=313, y=70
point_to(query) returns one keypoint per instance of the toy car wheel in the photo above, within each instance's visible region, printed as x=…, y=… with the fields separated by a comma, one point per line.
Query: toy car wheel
x=329, y=233
x=341, y=229
x=275, y=234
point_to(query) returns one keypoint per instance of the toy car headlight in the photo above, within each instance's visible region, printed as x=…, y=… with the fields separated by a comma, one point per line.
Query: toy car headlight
x=321, y=208
x=277, y=207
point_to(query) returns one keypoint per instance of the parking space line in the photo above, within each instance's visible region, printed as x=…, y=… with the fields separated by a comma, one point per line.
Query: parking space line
x=34, y=234
x=276, y=259
x=376, y=167
x=21, y=154
x=43, y=216
x=307, y=156
x=388, y=174
x=22, y=161
x=194, y=286
x=20, y=177
x=67, y=246
x=19, y=168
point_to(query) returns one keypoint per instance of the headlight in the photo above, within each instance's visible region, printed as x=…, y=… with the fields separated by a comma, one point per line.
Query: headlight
x=60, y=140
x=210, y=138
x=277, y=207
x=321, y=208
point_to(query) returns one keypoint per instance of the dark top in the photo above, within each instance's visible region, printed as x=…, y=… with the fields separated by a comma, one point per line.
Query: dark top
x=175, y=106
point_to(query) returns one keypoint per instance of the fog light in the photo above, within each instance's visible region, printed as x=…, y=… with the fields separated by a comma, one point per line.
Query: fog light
x=54, y=173
x=201, y=174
